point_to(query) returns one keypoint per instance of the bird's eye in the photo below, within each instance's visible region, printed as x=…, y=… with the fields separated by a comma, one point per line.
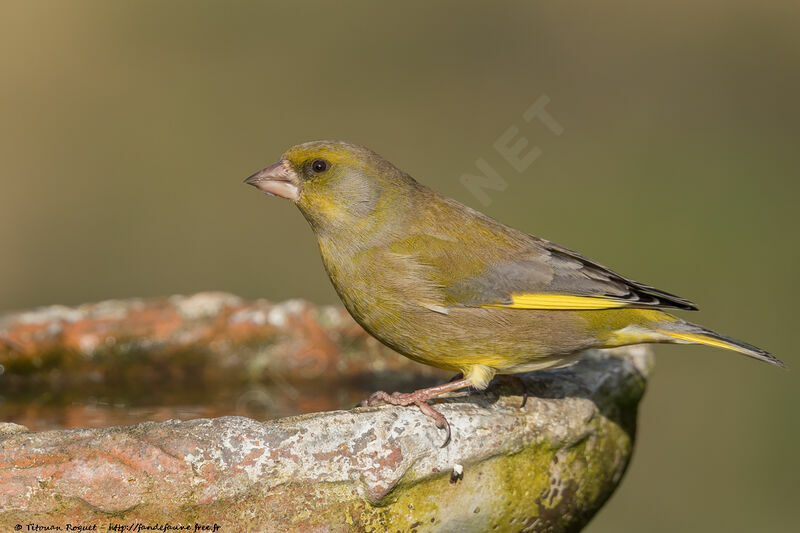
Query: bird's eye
x=320, y=165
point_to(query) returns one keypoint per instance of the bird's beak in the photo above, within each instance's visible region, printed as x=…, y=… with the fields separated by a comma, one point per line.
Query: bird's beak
x=277, y=180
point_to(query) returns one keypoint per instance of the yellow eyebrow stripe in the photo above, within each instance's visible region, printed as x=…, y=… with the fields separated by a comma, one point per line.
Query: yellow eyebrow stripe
x=556, y=301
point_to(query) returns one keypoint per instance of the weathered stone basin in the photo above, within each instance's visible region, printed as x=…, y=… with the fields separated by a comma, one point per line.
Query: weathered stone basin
x=548, y=466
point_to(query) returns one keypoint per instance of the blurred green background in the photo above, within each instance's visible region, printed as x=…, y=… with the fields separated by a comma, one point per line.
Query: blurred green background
x=126, y=129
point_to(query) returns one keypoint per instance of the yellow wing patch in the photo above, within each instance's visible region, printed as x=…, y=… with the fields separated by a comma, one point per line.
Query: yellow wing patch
x=554, y=301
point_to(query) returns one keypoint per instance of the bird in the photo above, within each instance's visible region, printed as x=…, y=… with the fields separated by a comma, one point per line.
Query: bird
x=448, y=286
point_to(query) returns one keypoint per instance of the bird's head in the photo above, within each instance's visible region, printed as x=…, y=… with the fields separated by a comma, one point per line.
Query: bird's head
x=335, y=184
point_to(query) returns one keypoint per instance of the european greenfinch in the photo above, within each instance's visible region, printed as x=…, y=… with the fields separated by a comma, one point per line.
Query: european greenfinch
x=450, y=287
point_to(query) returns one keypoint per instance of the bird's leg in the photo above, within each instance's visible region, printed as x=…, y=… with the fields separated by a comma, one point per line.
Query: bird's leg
x=420, y=399
x=456, y=377
x=516, y=381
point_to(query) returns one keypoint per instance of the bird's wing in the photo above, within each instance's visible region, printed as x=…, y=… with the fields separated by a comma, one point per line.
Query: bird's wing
x=579, y=283
x=531, y=274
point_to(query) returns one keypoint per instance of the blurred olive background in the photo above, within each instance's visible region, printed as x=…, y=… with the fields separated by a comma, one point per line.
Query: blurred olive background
x=126, y=129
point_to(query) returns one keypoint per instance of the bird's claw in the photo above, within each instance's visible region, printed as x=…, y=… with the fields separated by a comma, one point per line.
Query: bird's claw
x=379, y=397
x=438, y=419
x=446, y=425
x=405, y=399
x=519, y=383
x=420, y=399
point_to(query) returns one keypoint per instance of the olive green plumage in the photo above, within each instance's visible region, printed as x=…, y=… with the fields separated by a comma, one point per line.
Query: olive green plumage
x=450, y=287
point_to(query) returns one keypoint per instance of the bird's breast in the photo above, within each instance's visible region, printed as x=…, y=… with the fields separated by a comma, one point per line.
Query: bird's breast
x=385, y=293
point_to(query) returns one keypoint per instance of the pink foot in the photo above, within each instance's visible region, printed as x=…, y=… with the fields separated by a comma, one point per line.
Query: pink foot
x=420, y=399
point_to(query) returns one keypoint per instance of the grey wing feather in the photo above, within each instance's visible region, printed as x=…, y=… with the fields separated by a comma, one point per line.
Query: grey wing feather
x=545, y=267
x=609, y=283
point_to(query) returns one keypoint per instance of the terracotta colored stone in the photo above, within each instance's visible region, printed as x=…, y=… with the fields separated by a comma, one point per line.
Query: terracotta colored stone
x=223, y=336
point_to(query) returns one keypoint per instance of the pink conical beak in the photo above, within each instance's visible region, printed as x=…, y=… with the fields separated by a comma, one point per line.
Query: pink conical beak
x=277, y=180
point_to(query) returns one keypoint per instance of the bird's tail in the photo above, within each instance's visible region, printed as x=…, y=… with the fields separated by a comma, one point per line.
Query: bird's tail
x=682, y=332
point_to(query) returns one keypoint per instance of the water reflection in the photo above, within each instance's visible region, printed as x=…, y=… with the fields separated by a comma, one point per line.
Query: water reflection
x=45, y=406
